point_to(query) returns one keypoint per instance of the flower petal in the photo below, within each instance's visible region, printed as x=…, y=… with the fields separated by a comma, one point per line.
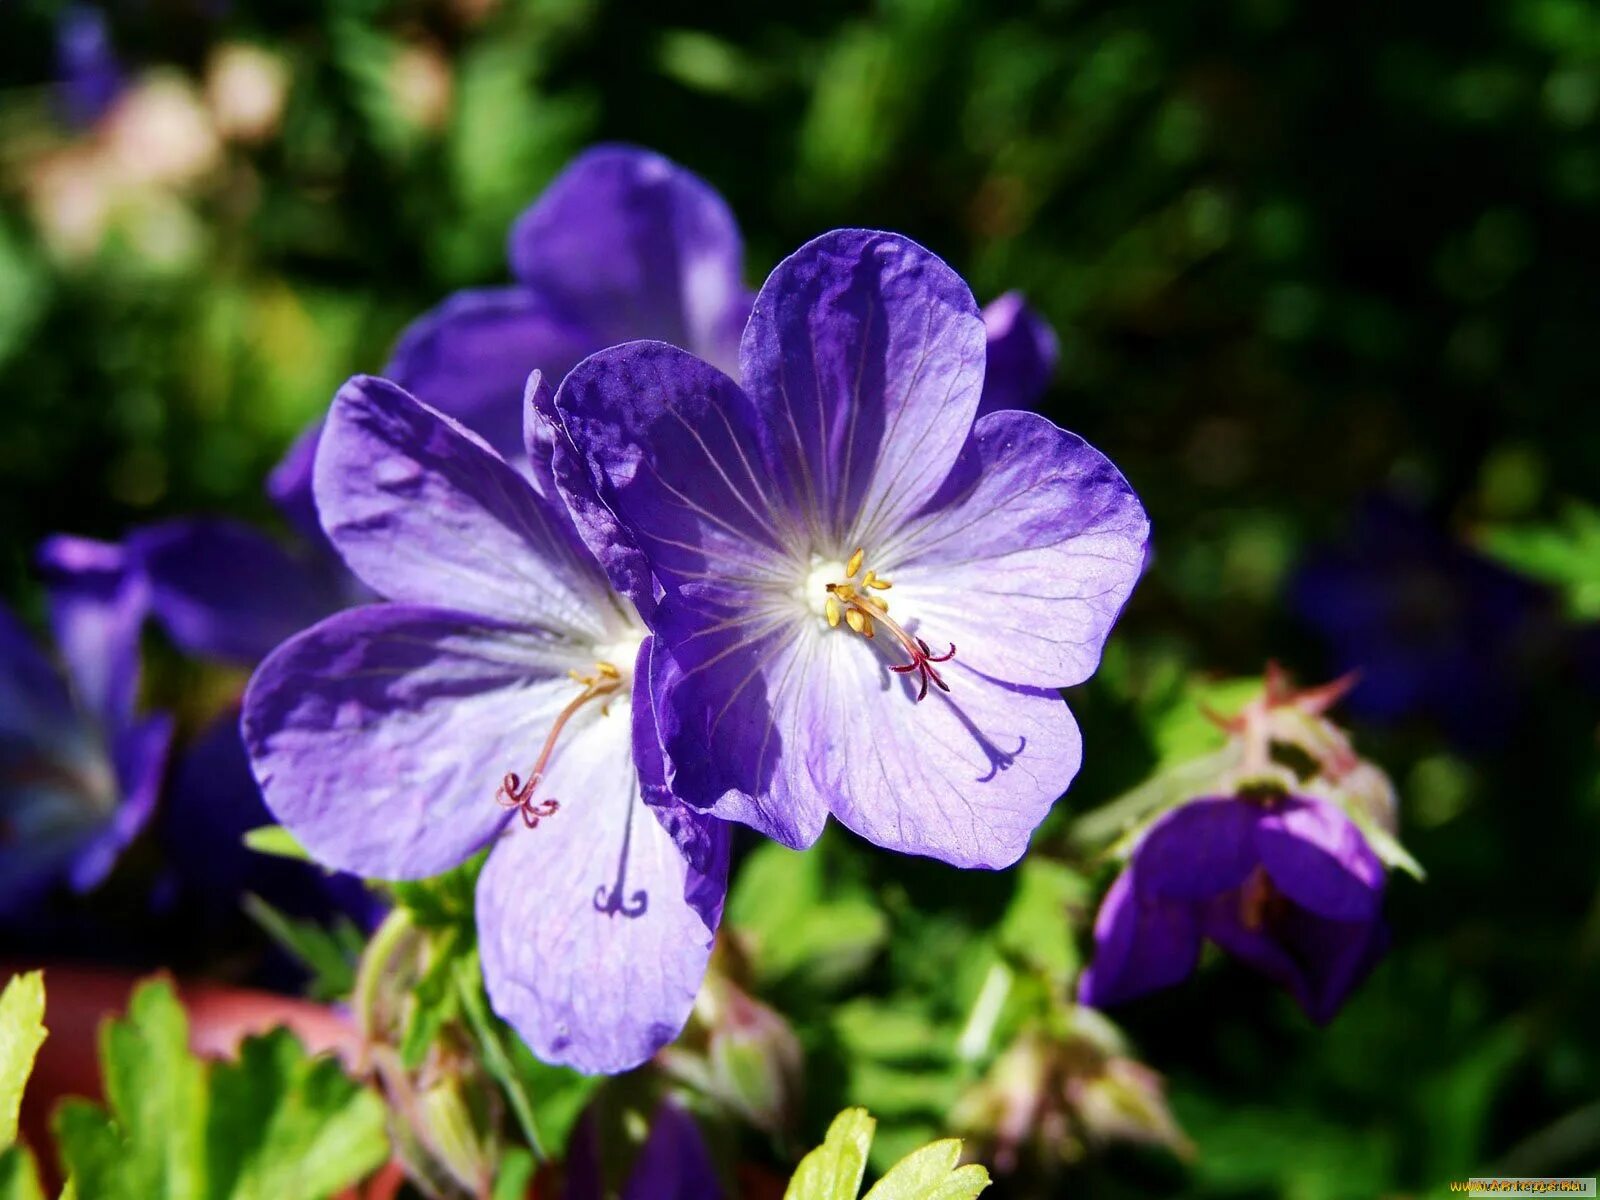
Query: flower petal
x=1141, y=944
x=631, y=245
x=470, y=358
x=1026, y=557
x=670, y=448
x=380, y=735
x=34, y=704
x=140, y=758
x=596, y=926
x=1022, y=353
x=964, y=776
x=1317, y=857
x=223, y=590
x=98, y=603
x=425, y=513
x=1199, y=849
x=865, y=354
x=289, y=485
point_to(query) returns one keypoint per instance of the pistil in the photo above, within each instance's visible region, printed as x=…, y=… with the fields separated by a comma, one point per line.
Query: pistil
x=513, y=793
x=858, y=608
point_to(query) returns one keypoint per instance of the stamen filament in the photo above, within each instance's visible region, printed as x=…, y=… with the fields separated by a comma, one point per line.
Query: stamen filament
x=513, y=792
x=862, y=612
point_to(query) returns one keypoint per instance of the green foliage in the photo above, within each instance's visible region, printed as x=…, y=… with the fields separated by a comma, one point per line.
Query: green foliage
x=329, y=954
x=833, y=1171
x=22, y=1032
x=1564, y=554
x=275, y=1123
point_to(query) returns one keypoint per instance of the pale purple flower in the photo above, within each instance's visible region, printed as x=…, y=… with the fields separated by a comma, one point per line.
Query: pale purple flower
x=1287, y=885
x=774, y=517
x=80, y=770
x=1022, y=355
x=501, y=700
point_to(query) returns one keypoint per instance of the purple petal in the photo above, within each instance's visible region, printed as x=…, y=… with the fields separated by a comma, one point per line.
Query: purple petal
x=380, y=736
x=630, y=245
x=221, y=589
x=98, y=603
x=1318, y=961
x=1021, y=357
x=425, y=513
x=471, y=356
x=139, y=758
x=670, y=450
x=964, y=776
x=34, y=704
x=596, y=926
x=1026, y=558
x=865, y=356
x=1317, y=857
x=1199, y=849
x=560, y=473
x=289, y=485
x=674, y=1163
x=1141, y=944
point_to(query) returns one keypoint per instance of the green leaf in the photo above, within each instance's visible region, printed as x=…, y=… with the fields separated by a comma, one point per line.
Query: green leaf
x=19, y=1175
x=833, y=1170
x=932, y=1173
x=277, y=841
x=515, y=1175
x=325, y=953
x=285, y=1124
x=1035, y=929
x=1565, y=554
x=22, y=1032
x=151, y=1142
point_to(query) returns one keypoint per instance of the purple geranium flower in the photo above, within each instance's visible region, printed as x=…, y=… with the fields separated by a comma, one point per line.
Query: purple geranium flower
x=503, y=658
x=79, y=770
x=1288, y=885
x=775, y=518
x=673, y=1164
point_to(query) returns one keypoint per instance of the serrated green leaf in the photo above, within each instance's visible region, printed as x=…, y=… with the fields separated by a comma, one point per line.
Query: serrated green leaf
x=932, y=1173
x=19, y=1175
x=22, y=1032
x=285, y=1124
x=151, y=1140
x=276, y=841
x=834, y=1169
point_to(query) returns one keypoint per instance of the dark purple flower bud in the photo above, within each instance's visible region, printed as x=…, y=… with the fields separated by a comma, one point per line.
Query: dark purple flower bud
x=89, y=77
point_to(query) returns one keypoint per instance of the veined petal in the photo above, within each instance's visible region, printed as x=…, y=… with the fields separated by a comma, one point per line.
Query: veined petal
x=471, y=356
x=670, y=447
x=425, y=513
x=1026, y=557
x=222, y=589
x=99, y=600
x=379, y=736
x=631, y=245
x=865, y=356
x=560, y=473
x=1141, y=944
x=1199, y=849
x=595, y=926
x=964, y=776
x=1317, y=857
x=734, y=707
x=1022, y=353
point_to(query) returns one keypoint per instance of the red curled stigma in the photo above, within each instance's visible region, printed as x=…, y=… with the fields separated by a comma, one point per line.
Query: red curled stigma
x=513, y=793
x=922, y=660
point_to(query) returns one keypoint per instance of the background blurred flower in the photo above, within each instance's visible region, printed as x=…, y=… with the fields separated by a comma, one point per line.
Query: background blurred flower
x=246, y=88
x=90, y=77
x=161, y=133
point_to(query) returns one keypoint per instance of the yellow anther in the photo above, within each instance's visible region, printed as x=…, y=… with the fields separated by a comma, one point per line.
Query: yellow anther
x=872, y=581
x=833, y=611
x=854, y=565
x=577, y=678
x=881, y=606
x=608, y=670
x=859, y=621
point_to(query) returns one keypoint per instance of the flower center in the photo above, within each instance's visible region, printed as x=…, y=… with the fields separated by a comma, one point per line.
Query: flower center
x=853, y=601
x=601, y=686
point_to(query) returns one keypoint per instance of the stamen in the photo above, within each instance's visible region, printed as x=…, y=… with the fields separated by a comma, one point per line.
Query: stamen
x=862, y=613
x=513, y=792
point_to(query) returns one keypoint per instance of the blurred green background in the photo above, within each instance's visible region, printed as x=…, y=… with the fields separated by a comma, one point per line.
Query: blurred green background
x=1297, y=254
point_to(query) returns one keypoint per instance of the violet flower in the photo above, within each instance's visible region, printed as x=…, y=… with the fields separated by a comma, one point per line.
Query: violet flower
x=776, y=516
x=79, y=769
x=89, y=76
x=1287, y=885
x=504, y=659
x=673, y=1164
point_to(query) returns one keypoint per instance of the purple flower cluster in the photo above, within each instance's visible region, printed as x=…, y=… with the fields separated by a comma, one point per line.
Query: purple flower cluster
x=666, y=604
